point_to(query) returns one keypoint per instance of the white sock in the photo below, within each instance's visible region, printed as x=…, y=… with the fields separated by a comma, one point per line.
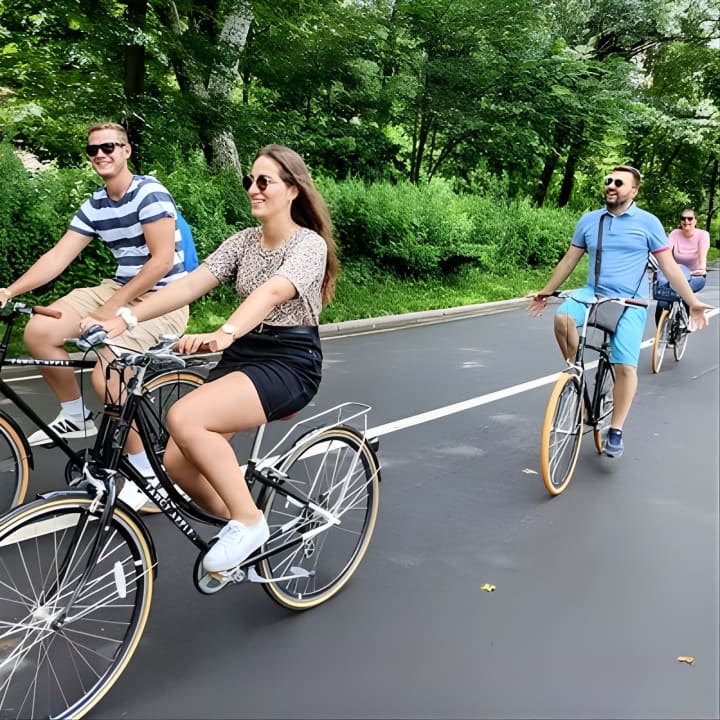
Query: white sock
x=141, y=463
x=75, y=409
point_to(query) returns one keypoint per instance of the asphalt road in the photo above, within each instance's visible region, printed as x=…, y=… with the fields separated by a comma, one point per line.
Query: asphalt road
x=597, y=591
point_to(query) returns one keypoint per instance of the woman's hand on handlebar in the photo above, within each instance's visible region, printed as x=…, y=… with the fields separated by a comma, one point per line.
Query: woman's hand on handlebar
x=203, y=342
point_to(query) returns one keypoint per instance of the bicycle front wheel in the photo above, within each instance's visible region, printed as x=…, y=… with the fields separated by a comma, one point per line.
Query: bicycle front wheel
x=603, y=403
x=337, y=471
x=561, y=433
x=662, y=335
x=14, y=467
x=681, y=333
x=58, y=655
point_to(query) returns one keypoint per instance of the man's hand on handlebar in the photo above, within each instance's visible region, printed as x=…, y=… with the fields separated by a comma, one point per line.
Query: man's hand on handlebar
x=538, y=302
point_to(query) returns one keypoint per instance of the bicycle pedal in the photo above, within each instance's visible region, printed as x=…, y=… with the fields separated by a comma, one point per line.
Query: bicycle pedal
x=296, y=573
x=212, y=582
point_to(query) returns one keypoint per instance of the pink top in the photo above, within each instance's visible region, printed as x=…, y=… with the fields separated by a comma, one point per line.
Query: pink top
x=692, y=251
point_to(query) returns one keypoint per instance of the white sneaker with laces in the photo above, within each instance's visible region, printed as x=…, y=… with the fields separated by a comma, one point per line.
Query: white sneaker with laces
x=235, y=543
x=132, y=495
x=67, y=428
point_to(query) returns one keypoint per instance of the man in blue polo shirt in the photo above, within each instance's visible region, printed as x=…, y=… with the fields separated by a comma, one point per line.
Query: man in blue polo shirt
x=629, y=234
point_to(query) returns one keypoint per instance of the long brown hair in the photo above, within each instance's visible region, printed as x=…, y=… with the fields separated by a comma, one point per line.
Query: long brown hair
x=308, y=209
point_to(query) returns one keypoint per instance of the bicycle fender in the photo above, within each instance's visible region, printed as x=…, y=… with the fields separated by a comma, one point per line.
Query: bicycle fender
x=26, y=445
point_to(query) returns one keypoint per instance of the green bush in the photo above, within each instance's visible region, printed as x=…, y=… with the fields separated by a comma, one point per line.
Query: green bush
x=431, y=231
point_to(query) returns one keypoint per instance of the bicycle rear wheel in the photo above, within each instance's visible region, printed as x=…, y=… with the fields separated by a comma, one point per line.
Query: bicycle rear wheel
x=681, y=332
x=662, y=335
x=14, y=467
x=603, y=403
x=336, y=470
x=55, y=660
x=561, y=433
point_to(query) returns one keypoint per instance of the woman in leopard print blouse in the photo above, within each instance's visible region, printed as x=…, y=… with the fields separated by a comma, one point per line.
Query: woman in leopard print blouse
x=284, y=272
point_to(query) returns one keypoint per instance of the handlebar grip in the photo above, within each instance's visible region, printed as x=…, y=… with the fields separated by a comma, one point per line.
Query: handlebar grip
x=637, y=303
x=46, y=311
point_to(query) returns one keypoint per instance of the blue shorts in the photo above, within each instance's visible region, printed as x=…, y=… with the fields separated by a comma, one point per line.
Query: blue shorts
x=625, y=342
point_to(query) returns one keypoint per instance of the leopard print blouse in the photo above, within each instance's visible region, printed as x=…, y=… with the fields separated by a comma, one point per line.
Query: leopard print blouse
x=301, y=259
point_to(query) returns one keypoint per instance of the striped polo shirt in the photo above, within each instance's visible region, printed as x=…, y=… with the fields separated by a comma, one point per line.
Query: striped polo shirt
x=118, y=223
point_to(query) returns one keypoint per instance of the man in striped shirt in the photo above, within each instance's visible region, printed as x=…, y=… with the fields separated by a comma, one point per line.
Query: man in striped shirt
x=135, y=216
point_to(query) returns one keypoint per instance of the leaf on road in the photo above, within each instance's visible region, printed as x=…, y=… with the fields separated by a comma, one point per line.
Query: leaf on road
x=487, y=587
x=686, y=659
x=528, y=471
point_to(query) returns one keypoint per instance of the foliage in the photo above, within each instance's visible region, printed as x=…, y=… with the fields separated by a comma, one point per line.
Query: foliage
x=432, y=231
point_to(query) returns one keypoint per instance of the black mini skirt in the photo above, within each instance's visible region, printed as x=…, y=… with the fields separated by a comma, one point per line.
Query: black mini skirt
x=283, y=363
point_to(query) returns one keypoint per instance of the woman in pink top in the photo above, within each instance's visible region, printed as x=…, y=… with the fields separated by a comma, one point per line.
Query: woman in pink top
x=689, y=247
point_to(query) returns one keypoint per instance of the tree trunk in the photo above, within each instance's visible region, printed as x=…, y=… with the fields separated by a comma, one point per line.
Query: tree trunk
x=711, y=199
x=545, y=178
x=134, y=80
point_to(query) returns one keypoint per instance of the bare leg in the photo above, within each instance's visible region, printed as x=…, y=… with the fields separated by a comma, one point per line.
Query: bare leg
x=200, y=424
x=186, y=475
x=625, y=386
x=566, y=335
x=45, y=338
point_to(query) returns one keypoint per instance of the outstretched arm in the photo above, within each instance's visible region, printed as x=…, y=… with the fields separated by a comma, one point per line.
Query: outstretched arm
x=559, y=275
x=48, y=266
x=251, y=312
x=179, y=293
x=680, y=285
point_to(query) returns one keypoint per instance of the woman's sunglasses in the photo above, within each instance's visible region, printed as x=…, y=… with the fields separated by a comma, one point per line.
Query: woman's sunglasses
x=687, y=218
x=618, y=182
x=108, y=148
x=261, y=181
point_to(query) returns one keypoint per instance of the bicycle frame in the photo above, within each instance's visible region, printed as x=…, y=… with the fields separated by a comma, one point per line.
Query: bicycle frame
x=107, y=460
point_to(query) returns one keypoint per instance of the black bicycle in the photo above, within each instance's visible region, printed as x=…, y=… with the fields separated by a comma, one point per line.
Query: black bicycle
x=672, y=330
x=16, y=455
x=574, y=402
x=77, y=567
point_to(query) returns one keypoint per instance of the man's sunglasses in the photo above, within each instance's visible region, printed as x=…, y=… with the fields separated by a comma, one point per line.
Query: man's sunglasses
x=262, y=181
x=618, y=182
x=687, y=218
x=108, y=148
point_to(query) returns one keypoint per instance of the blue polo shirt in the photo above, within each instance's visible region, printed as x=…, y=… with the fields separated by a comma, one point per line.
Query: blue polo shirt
x=627, y=240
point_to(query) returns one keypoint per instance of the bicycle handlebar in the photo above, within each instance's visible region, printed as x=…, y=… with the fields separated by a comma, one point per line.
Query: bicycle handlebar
x=157, y=355
x=11, y=309
x=636, y=302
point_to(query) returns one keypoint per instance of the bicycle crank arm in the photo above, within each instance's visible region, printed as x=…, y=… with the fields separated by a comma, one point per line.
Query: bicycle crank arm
x=295, y=574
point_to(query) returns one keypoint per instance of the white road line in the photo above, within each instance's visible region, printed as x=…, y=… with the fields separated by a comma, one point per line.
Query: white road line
x=484, y=399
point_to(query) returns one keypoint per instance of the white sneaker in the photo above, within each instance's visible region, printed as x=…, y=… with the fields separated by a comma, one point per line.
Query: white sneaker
x=67, y=428
x=132, y=495
x=235, y=543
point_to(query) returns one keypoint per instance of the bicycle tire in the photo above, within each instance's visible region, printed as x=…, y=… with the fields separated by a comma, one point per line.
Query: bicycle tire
x=14, y=466
x=56, y=664
x=603, y=403
x=681, y=334
x=561, y=433
x=662, y=333
x=336, y=469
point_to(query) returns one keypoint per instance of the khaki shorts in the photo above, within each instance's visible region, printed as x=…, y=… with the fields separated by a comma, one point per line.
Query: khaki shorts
x=147, y=333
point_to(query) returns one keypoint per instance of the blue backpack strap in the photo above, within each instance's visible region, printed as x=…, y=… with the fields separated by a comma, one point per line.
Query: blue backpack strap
x=188, y=245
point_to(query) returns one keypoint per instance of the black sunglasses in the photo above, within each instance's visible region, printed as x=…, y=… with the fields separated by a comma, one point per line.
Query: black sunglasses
x=108, y=148
x=618, y=182
x=262, y=181
x=688, y=218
